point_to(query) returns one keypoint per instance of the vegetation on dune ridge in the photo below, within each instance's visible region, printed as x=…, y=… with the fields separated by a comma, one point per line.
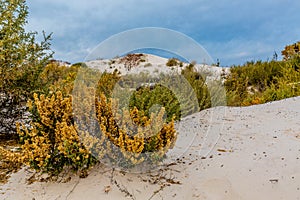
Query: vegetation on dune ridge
x=138, y=131
x=261, y=82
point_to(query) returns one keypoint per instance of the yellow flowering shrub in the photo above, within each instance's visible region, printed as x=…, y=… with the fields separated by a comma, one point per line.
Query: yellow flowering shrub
x=52, y=141
x=79, y=130
x=127, y=137
x=138, y=137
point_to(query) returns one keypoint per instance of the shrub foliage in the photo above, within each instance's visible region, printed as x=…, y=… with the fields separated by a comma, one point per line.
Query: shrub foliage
x=21, y=57
x=260, y=82
x=134, y=133
x=52, y=141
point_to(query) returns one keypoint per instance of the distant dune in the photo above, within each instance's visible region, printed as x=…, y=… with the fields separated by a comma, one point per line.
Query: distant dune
x=151, y=64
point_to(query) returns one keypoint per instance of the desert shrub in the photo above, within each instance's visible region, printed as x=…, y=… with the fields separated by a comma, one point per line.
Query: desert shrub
x=55, y=77
x=278, y=92
x=52, y=142
x=132, y=60
x=180, y=94
x=259, y=75
x=146, y=97
x=286, y=86
x=126, y=134
x=197, y=82
x=134, y=133
x=21, y=57
x=172, y=62
x=260, y=82
x=291, y=51
x=21, y=60
x=80, y=64
x=107, y=83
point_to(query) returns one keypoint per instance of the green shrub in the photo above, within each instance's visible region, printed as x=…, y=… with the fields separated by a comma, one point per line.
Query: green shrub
x=260, y=82
x=147, y=96
x=21, y=58
x=55, y=77
x=197, y=82
x=172, y=62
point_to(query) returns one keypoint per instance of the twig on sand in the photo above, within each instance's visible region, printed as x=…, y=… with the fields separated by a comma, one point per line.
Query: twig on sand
x=120, y=186
x=162, y=179
x=112, y=176
x=123, y=189
x=157, y=191
x=72, y=190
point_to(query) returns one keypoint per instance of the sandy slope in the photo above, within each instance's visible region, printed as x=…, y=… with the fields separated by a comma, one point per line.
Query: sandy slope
x=256, y=157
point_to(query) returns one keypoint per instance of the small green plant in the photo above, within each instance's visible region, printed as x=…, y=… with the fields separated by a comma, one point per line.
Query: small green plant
x=147, y=96
x=172, y=62
x=197, y=82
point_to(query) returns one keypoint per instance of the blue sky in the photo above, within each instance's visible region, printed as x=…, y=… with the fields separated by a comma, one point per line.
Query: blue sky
x=232, y=31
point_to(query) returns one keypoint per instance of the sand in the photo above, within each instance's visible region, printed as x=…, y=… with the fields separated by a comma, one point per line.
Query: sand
x=256, y=156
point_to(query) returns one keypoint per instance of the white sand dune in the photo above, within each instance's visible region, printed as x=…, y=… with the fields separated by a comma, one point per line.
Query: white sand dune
x=154, y=65
x=256, y=157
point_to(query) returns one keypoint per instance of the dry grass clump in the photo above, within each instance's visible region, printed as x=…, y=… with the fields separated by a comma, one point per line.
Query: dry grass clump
x=7, y=166
x=132, y=60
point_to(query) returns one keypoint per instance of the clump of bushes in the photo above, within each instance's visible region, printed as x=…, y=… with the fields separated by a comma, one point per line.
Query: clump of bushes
x=291, y=51
x=172, y=62
x=260, y=82
x=55, y=141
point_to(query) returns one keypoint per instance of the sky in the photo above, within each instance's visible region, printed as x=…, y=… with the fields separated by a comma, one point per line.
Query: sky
x=231, y=31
